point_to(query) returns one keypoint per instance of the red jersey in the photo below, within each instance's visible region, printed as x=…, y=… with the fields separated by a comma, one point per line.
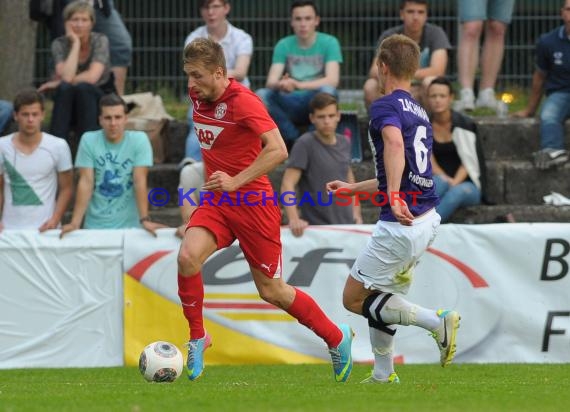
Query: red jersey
x=229, y=129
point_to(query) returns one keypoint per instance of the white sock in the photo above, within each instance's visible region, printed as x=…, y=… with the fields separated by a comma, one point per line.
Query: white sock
x=401, y=312
x=383, y=350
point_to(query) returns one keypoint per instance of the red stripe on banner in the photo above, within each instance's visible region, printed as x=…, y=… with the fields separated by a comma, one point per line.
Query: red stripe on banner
x=139, y=268
x=228, y=305
x=476, y=280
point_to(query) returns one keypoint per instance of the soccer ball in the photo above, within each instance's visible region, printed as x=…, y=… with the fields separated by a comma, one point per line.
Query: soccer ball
x=161, y=362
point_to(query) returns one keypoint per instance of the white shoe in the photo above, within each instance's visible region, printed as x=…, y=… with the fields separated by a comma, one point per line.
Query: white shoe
x=486, y=98
x=446, y=334
x=466, y=100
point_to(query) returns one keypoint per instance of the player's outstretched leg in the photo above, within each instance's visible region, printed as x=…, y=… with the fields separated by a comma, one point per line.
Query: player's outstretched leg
x=341, y=355
x=445, y=335
x=196, y=349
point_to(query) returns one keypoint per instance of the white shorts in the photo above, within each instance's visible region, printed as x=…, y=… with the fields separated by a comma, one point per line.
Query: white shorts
x=388, y=260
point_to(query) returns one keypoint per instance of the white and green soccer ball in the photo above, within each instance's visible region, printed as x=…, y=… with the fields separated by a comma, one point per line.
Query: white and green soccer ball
x=161, y=362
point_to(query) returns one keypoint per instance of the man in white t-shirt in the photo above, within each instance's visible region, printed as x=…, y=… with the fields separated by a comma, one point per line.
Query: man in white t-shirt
x=36, y=172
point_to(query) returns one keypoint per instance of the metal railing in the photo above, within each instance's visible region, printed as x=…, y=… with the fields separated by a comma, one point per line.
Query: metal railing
x=159, y=28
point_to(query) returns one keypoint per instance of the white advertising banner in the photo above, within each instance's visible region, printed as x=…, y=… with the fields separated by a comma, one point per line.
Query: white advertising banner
x=61, y=300
x=70, y=302
x=510, y=284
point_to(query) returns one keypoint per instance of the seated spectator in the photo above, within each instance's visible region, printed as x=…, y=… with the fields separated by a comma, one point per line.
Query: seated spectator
x=83, y=72
x=433, y=43
x=108, y=22
x=113, y=166
x=237, y=46
x=303, y=64
x=551, y=77
x=5, y=114
x=318, y=157
x=457, y=156
x=36, y=173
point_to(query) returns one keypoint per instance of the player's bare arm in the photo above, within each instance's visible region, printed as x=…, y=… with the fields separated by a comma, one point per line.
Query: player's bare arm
x=350, y=189
x=394, y=163
x=274, y=153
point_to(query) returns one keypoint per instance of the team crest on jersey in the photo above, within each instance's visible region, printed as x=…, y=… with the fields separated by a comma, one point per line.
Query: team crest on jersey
x=558, y=58
x=207, y=134
x=220, y=110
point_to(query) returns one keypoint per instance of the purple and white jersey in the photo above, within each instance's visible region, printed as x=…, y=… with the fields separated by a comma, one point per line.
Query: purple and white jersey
x=400, y=110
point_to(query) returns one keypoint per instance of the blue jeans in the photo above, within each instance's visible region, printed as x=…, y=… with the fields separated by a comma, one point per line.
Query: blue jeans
x=555, y=110
x=5, y=114
x=453, y=197
x=120, y=42
x=192, y=144
x=289, y=110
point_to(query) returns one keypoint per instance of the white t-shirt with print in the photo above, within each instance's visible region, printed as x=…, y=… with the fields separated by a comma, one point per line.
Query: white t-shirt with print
x=31, y=180
x=235, y=43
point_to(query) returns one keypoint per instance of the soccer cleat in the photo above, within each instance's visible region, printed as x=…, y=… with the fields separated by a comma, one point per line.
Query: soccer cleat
x=195, y=363
x=342, y=355
x=547, y=158
x=446, y=334
x=393, y=378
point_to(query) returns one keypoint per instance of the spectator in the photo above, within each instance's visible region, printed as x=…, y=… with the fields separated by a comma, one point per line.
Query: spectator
x=108, y=22
x=238, y=48
x=113, y=166
x=495, y=15
x=5, y=114
x=82, y=71
x=36, y=173
x=457, y=156
x=433, y=43
x=318, y=157
x=551, y=77
x=303, y=64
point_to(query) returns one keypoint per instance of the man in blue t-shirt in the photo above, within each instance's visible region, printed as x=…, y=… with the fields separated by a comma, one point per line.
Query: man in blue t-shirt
x=401, y=137
x=303, y=64
x=113, y=166
x=551, y=77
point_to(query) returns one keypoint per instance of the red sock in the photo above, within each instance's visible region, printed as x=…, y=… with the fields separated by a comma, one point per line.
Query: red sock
x=309, y=313
x=191, y=292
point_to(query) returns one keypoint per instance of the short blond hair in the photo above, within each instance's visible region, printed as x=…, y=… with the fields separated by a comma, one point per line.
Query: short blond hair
x=78, y=6
x=207, y=52
x=401, y=54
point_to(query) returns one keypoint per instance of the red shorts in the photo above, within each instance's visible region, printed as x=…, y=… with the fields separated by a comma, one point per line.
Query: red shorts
x=257, y=228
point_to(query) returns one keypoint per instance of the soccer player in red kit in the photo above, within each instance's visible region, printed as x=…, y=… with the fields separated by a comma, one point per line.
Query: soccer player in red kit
x=240, y=145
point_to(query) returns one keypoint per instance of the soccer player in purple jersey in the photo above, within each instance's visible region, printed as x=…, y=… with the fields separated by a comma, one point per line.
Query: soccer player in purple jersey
x=401, y=136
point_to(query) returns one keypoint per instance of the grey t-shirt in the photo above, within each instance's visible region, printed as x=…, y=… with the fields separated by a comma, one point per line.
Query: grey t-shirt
x=99, y=43
x=433, y=38
x=320, y=164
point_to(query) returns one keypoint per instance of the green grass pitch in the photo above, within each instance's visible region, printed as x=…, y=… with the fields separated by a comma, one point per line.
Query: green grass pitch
x=497, y=387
